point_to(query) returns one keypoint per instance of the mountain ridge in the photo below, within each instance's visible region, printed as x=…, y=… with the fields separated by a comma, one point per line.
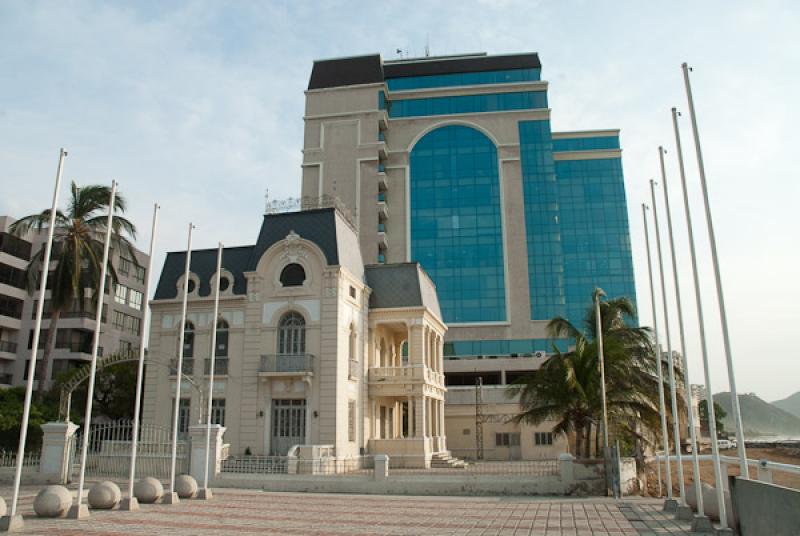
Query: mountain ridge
x=759, y=417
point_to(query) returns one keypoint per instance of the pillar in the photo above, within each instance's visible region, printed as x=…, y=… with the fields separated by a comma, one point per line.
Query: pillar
x=374, y=424
x=420, y=416
x=54, y=461
x=411, y=427
x=197, y=460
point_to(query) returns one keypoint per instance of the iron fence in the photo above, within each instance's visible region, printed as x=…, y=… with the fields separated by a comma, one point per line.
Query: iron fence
x=8, y=458
x=263, y=465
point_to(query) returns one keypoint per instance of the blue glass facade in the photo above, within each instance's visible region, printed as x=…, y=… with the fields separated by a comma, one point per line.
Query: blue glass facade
x=463, y=79
x=586, y=144
x=576, y=224
x=465, y=104
x=456, y=222
x=502, y=347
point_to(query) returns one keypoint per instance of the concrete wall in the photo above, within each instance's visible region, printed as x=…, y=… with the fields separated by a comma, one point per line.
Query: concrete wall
x=764, y=508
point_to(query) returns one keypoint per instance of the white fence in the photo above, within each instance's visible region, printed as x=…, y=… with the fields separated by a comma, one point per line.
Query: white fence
x=9, y=458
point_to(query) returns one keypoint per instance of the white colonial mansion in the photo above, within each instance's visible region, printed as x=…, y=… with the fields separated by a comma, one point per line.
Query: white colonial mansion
x=313, y=346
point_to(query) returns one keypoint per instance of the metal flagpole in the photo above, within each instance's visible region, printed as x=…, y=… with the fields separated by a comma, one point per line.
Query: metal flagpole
x=687, y=382
x=80, y=510
x=131, y=503
x=598, y=293
x=662, y=405
x=712, y=419
x=12, y=521
x=676, y=428
x=737, y=414
x=172, y=497
x=205, y=493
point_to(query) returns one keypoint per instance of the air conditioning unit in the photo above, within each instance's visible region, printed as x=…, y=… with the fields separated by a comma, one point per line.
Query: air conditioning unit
x=540, y=355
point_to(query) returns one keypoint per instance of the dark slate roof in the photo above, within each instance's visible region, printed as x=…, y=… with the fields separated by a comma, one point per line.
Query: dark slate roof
x=203, y=264
x=394, y=285
x=318, y=226
x=346, y=72
x=371, y=69
x=473, y=64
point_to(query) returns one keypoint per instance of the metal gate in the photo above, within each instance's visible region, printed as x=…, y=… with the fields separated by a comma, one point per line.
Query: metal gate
x=109, y=451
x=288, y=425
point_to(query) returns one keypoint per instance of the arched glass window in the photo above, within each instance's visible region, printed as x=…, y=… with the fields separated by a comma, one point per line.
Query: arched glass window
x=456, y=222
x=292, y=334
x=222, y=338
x=292, y=275
x=188, y=339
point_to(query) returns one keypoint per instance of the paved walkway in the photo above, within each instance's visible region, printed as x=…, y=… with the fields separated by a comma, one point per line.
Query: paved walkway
x=256, y=512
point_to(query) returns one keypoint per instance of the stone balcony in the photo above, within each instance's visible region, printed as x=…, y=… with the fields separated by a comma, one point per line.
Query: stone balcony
x=405, y=374
x=278, y=365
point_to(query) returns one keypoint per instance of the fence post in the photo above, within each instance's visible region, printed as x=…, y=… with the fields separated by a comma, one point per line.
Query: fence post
x=56, y=456
x=764, y=472
x=381, y=471
x=197, y=458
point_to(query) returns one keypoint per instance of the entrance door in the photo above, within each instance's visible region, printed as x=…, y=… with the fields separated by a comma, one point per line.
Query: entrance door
x=288, y=425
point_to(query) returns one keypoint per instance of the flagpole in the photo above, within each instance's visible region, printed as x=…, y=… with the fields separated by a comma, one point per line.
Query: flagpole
x=131, y=503
x=205, y=493
x=676, y=429
x=711, y=413
x=172, y=497
x=737, y=414
x=80, y=510
x=662, y=405
x=12, y=521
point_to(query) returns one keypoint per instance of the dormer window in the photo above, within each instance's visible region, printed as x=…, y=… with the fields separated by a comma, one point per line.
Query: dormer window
x=293, y=275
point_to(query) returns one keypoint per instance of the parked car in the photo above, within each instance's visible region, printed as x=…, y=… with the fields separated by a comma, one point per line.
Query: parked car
x=725, y=444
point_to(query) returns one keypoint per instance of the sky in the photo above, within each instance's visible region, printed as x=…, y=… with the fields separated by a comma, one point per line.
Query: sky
x=198, y=106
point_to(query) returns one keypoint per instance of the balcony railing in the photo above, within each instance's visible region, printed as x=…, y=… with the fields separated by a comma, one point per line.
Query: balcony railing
x=287, y=363
x=186, y=368
x=220, y=366
x=407, y=373
x=8, y=346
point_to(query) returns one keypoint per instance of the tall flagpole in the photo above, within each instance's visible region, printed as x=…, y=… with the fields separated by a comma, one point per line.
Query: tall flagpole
x=172, y=497
x=12, y=521
x=206, y=493
x=687, y=381
x=131, y=503
x=598, y=293
x=676, y=428
x=662, y=405
x=79, y=510
x=712, y=418
x=737, y=414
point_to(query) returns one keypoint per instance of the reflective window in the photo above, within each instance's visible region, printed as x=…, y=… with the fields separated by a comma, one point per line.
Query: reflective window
x=188, y=340
x=463, y=79
x=518, y=347
x=465, y=104
x=586, y=144
x=292, y=334
x=456, y=231
x=222, y=338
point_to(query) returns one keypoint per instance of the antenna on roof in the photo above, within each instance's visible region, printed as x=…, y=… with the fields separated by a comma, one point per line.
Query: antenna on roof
x=266, y=200
x=427, y=45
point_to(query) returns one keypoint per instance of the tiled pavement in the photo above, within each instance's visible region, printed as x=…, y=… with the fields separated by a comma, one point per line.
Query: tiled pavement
x=256, y=512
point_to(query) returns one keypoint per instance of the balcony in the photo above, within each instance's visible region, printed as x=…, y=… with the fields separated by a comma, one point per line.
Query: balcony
x=286, y=365
x=382, y=243
x=383, y=211
x=220, y=366
x=8, y=347
x=410, y=373
x=382, y=184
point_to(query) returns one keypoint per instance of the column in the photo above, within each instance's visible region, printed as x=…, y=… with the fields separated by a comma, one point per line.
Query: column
x=420, y=417
x=374, y=424
x=441, y=417
x=411, y=426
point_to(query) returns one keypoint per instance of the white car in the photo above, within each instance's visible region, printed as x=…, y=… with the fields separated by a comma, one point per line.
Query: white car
x=725, y=444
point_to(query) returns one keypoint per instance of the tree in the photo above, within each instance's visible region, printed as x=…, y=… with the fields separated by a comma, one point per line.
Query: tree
x=11, y=407
x=567, y=386
x=719, y=416
x=78, y=240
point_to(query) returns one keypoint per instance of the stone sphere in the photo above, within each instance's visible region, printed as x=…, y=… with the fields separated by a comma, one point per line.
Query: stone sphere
x=2, y=507
x=104, y=495
x=52, y=501
x=186, y=486
x=711, y=505
x=148, y=490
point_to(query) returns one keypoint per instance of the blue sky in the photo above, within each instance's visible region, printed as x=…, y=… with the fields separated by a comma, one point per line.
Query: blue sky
x=199, y=105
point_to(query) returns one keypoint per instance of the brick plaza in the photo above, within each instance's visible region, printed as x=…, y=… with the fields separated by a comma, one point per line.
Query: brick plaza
x=257, y=512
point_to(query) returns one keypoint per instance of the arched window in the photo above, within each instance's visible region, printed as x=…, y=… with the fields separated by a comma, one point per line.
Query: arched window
x=292, y=275
x=222, y=338
x=224, y=283
x=188, y=339
x=292, y=334
x=456, y=222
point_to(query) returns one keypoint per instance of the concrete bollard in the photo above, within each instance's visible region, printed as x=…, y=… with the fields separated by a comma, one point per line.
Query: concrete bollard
x=381, y=471
x=52, y=501
x=764, y=472
x=104, y=495
x=186, y=486
x=148, y=490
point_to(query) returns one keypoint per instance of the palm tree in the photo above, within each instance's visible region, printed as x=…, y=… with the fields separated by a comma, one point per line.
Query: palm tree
x=567, y=387
x=77, y=251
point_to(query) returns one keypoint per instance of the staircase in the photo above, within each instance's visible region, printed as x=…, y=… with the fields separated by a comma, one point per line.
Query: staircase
x=443, y=460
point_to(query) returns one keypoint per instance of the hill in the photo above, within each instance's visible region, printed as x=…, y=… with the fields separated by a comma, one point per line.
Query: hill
x=790, y=404
x=759, y=417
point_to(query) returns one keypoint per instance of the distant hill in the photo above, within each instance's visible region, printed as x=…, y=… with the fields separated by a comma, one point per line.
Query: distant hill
x=759, y=417
x=790, y=404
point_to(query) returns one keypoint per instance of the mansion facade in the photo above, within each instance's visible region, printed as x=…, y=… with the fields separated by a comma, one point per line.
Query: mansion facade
x=313, y=346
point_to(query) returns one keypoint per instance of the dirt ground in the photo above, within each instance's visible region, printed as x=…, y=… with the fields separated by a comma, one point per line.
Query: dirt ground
x=778, y=454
